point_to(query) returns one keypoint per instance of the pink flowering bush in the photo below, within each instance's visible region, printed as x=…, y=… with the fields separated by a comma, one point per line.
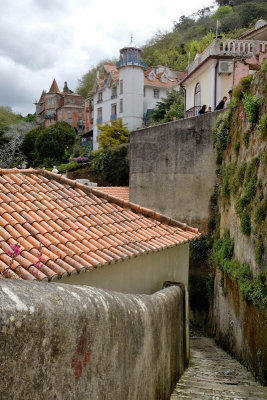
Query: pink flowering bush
x=81, y=159
x=14, y=250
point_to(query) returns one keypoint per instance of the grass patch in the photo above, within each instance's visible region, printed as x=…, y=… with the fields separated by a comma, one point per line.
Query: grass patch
x=252, y=107
x=245, y=223
x=262, y=127
x=242, y=87
x=252, y=290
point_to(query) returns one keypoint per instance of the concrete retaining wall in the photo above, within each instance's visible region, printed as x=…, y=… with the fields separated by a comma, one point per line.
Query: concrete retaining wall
x=77, y=342
x=172, y=168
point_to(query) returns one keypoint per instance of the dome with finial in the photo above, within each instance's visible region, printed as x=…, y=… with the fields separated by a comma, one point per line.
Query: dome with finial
x=130, y=55
x=131, y=45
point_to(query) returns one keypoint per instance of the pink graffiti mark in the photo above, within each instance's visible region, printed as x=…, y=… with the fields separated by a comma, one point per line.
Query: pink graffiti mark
x=81, y=357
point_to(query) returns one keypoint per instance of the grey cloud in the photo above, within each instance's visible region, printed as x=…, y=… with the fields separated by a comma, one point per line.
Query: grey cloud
x=35, y=49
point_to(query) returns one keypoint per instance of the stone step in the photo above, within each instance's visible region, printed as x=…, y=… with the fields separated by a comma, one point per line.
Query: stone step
x=215, y=375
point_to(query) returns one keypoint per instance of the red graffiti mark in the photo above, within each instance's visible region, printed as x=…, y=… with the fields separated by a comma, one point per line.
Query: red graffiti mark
x=81, y=358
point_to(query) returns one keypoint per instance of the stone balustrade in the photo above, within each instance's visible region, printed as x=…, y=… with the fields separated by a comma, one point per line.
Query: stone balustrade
x=229, y=47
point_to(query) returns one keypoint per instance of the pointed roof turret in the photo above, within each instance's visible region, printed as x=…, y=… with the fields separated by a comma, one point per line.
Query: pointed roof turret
x=41, y=98
x=54, y=87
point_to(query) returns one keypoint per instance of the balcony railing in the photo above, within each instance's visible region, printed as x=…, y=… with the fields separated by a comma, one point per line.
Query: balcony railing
x=50, y=116
x=99, y=101
x=228, y=47
x=113, y=117
x=121, y=63
x=99, y=120
x=192, y=112
x=113, y=96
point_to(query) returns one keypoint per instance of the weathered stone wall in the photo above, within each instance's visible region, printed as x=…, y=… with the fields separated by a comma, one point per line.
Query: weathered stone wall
x=172, y=168
x=76, y=342
x=240, y=327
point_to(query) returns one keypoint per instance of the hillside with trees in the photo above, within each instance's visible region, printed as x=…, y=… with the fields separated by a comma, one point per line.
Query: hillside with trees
x=192, y=34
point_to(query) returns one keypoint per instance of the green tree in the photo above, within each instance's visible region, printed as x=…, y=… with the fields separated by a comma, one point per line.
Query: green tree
x=8, y=117
x=86, y=83
x=112, y=134
x=54, y=144
x=28, y=145
x=112, y=165
x=170, y=107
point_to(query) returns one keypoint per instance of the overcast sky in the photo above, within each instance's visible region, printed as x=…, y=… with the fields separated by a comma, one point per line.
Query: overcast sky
x=43, y=39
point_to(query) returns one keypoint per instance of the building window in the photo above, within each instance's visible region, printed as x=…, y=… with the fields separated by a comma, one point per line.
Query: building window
x=156, y=93
x=99, y=115
x=121, y=87
x=80, y=111
x=70, y=120
x=121, y=106
x=99, y=97
x=197, y=99
x=144, y=92
x=99, y=112
x=113, y=112
x=50, y=101
x=114, y=92
x=69, y=111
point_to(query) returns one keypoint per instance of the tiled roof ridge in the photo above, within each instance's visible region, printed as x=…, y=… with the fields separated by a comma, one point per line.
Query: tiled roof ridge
x=87, y=189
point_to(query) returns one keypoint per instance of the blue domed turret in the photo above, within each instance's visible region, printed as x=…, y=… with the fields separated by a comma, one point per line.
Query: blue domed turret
x=131, y=55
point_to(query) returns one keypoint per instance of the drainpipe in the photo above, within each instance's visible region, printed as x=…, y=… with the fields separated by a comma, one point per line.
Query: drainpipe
x=215, y=84
x=184, y=99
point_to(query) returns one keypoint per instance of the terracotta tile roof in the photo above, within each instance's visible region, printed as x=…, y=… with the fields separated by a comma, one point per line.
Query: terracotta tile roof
x=156, y=82
x=122, y=192
x=72, y=227
x=54, y=87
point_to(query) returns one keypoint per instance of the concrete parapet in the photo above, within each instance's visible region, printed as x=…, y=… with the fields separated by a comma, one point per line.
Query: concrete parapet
x=78, y=342
x=172, y=168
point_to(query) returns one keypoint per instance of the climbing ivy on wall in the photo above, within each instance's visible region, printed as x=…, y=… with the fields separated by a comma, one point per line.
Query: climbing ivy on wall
x=239, y=184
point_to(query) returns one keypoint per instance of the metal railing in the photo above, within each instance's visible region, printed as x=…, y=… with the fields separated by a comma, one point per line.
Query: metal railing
x=229, y=47
x=113, y=117
x=99, y=120
x=50, y=116
x=192, y=112
x=121, y=63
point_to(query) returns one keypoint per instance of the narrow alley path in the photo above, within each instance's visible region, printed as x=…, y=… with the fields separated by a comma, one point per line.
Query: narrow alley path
x=215, y=375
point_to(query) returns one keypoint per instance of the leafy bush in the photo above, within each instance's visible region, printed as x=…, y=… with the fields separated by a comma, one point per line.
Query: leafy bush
x=260, y=212
x=220, y=135
x=262, y=127
x=112, y=165
x=246, y=137
x=223, y=250
x=252, y=107
x=199, y=248
x=112, y=134
x=81, y=159
x=28, y=145
x=259, y=251
x=243, y=87
x=71, y=166
x=245, y=223
x=264, y=65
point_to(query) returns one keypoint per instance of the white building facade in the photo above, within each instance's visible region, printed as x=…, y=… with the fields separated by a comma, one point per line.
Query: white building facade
x=128, y=91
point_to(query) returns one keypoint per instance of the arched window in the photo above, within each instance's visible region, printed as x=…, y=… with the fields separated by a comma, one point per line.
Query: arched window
x=197, y=98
